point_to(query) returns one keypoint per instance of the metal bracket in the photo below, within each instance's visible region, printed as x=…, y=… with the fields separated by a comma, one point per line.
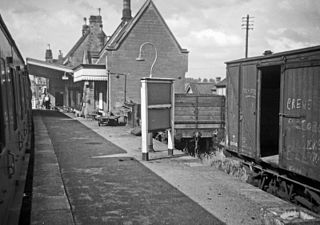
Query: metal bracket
x=291, y=116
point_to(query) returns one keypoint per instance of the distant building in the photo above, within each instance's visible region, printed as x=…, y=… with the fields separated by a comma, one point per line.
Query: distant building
x=201, y=88
x=38, y=87
x=222, y=87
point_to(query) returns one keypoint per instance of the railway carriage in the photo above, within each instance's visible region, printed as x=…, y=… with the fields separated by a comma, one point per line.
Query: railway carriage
x=15, y=121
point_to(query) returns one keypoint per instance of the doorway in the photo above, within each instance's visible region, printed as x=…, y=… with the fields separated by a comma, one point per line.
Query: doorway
x=59, y=98
x=269, y=110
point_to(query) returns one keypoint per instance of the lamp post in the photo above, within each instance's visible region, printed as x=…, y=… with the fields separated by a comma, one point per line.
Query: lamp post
x=140, y=58
x=65, y=77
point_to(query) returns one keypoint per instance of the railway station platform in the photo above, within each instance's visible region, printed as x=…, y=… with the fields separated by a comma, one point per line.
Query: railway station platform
x=87, y=174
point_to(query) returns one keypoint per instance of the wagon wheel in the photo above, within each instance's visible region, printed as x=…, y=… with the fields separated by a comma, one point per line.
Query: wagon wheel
x=285, y=190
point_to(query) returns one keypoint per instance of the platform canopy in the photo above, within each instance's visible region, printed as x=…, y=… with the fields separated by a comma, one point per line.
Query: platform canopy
x=48, y=70
x=90, y=72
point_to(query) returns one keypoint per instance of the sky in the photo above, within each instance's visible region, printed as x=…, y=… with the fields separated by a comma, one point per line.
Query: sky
x=210, y=29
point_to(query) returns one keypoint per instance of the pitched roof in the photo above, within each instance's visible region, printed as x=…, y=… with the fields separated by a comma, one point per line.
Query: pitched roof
x=56, y=66
x=49, y=70
x=276, y=55
x=125, y=28
x=75, y=47
x=201, y=88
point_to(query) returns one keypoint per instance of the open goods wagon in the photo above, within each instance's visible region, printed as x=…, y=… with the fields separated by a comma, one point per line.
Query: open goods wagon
x=199, y=117
x=273, y=110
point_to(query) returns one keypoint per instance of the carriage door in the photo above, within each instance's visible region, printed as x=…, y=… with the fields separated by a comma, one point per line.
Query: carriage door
x=247, y=112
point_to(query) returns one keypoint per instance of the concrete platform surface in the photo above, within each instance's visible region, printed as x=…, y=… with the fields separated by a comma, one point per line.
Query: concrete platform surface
x=98, y=177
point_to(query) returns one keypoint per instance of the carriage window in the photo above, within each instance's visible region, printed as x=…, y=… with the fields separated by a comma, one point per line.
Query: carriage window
x=23, y=89
x=21, y=96
x=13, y=105
x=2, y=126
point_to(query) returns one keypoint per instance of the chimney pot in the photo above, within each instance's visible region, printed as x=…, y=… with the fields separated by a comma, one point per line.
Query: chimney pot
x=85, y=27
x=126, y=12
x=48, y=56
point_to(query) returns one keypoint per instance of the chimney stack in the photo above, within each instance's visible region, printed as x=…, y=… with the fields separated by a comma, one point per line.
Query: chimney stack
x=126, y=12
x=60, y=57
x=95, y=23
x=85, y=27
x=49, y=57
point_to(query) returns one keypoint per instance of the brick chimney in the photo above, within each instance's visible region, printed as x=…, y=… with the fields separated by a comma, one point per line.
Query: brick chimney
x=49, y=57
x=126, y=12
x=60, y=57
x=95, y=23
x=85, y=27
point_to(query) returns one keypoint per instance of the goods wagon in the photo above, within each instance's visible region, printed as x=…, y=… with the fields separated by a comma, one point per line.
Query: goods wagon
x=199, y=117
x=15, y=125
x=273, y=110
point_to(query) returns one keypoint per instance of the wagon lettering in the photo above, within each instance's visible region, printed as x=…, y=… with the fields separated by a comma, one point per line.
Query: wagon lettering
x=315, y=158
x=289, y=104
x=298, y=103
x=249, y=93
x=304, y=105
x=293, y=106
x=304, y=125
x=315, y=127
x=313, y=145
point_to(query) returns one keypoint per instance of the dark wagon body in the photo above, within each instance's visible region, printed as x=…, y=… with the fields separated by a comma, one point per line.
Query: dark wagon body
x=273, y=109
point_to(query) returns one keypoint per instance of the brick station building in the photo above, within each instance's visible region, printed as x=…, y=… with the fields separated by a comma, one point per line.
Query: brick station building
x=59, y=71
x=123, y=47
x=106, y=75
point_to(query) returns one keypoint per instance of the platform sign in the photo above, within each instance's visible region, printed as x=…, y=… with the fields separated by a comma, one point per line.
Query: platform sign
x=157, y=110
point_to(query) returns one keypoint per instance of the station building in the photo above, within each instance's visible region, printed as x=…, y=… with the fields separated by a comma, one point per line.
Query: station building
x=102, y=73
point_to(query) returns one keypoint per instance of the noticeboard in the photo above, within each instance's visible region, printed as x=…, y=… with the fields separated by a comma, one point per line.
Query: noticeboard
x=157, y=110
x=159, y=93
x=159, y=119
x=159, y=100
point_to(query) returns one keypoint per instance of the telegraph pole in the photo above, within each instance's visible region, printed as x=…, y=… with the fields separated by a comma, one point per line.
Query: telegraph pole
x=247, y=24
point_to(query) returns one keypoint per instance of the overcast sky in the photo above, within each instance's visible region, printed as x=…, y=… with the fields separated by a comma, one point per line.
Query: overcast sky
x=209, y=29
